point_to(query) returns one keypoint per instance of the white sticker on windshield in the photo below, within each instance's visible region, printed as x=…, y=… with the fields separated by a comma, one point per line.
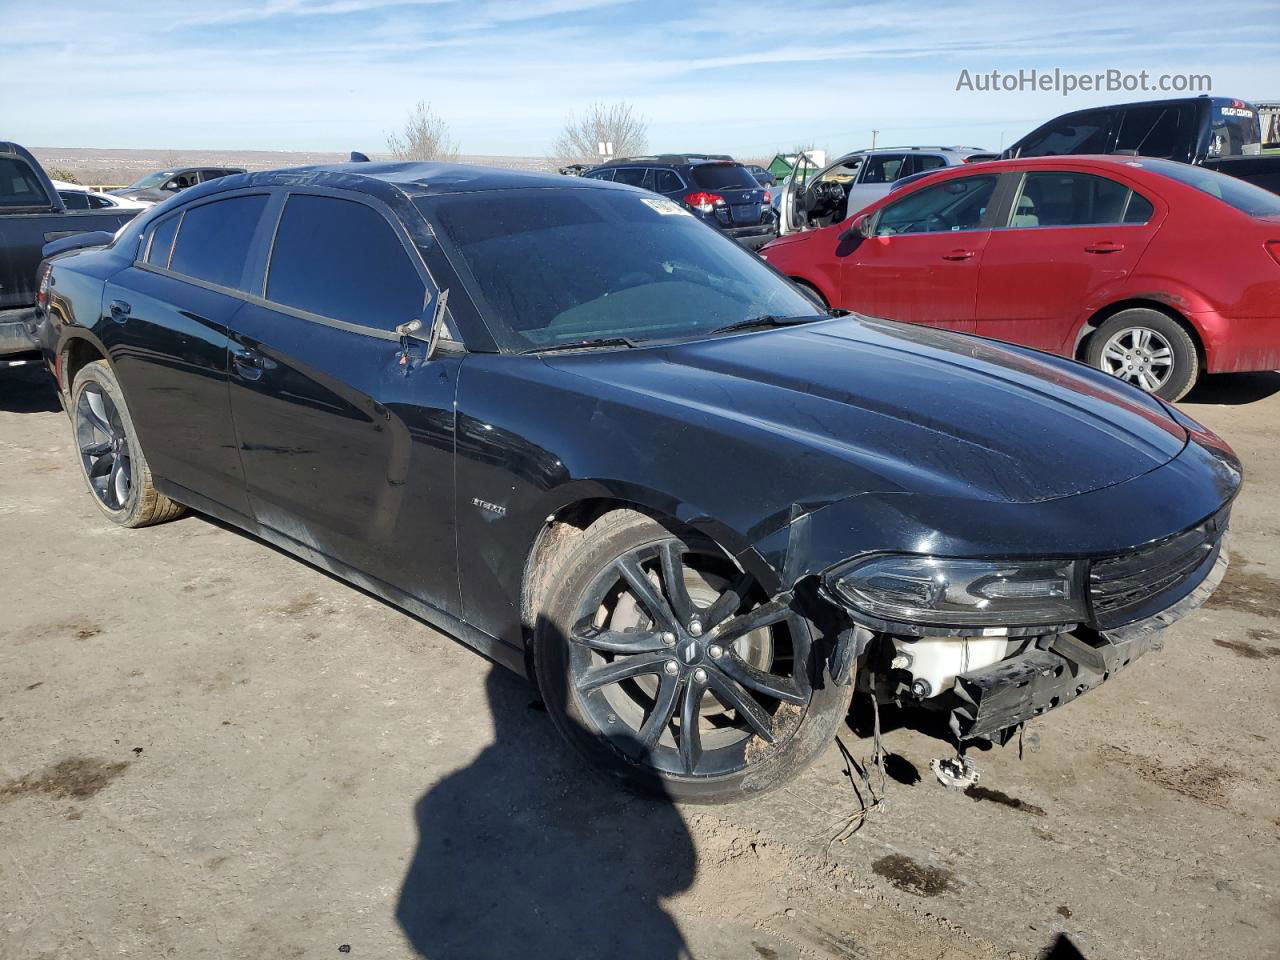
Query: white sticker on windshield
x=665, y=206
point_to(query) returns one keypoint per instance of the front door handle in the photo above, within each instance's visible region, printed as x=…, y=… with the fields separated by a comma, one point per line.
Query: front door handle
x=249, y=363
x=958, y=255
x=1104, y=246
x=120, y=311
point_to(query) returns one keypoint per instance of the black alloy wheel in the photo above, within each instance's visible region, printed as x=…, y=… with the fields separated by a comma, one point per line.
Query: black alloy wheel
x=112, y=459
x=677, y=664
x=104, y=447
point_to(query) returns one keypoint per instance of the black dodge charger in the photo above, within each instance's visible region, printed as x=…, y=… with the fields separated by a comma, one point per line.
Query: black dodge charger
x=594, y=439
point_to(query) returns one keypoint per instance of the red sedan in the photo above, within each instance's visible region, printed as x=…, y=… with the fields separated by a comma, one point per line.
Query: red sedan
x=1151, y=270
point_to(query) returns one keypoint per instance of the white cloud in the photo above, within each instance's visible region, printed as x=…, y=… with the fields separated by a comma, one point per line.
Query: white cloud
x=315, y=74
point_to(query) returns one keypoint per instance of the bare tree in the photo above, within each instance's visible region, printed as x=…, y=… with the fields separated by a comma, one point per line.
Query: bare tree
x=425, y=137
x=617, y=123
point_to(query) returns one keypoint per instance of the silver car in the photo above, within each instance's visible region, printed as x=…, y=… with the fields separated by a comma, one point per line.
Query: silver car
x=856, y=180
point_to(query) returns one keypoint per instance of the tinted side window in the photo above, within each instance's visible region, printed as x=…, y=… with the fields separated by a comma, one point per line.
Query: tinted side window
x=96, y=202
x=883, y=168
x=1069, y=200
x=341, y=259
x=666, y=182
x=162, y=241
x=954, y=205
x=600, y=174
x=921, y=162
x=74, y=199
x=19, y=186
x=1167, y=132
x=631, y=176
x=1139, y=210
x=1074, y=133
x=213, y=242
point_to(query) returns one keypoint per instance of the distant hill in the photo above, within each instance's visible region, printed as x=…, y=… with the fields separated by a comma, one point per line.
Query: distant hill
x=93, y=166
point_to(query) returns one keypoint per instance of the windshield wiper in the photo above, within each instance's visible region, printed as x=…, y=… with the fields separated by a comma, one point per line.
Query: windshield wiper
x=585, y=344
x=764, y=322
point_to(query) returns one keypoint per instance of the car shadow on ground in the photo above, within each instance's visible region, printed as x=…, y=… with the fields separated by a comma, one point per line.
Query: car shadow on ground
x=523, y=853
x=28, y=389
x=1232, y=389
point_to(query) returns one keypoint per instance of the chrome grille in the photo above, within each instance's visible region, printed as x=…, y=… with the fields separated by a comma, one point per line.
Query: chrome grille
x=1126, y=588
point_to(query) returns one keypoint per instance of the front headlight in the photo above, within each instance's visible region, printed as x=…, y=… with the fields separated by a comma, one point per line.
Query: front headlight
x=936, y=591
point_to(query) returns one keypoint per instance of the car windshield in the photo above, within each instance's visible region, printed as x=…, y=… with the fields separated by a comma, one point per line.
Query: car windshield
x=1245, y=197
x=555, y=267
x=151, y=180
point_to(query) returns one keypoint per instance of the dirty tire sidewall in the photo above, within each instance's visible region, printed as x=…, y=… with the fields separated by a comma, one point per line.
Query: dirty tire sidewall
x=1186, y=361
x=145, y=504
x=608, y=538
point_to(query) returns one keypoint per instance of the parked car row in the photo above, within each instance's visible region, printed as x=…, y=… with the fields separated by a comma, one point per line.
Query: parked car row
x=163, y=184
x=719, y=191
x=1150, y=270
x=576, y=426
x=1155, y=263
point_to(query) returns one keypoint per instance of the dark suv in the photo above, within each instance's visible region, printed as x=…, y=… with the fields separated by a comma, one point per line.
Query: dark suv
x=721, y=192
x=1189, y=129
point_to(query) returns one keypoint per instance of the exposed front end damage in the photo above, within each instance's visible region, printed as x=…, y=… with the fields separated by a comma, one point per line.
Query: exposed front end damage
x=989, y=686
x=989, y=677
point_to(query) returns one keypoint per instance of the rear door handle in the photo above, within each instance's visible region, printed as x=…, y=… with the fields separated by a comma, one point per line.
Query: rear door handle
x=1104, y=246
x=120, y=311
x=958, y=255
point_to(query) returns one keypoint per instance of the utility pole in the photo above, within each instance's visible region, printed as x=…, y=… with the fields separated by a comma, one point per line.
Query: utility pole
x=873, y=138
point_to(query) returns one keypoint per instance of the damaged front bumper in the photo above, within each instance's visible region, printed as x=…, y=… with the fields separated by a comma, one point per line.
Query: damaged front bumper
x=992, y=702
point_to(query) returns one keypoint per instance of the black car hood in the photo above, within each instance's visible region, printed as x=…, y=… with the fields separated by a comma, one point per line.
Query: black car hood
x=907, y=408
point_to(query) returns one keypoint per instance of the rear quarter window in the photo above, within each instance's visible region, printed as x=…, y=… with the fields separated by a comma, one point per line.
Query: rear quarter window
x=213, y=242
x=161, y=244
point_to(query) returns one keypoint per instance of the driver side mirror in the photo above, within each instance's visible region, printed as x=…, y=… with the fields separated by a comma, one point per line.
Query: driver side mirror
x=861, y=229
x=851, y=238
x=432, y=329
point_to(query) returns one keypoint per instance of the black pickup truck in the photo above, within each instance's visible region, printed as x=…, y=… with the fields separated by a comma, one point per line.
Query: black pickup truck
x=32, y=215
x=1218, y=133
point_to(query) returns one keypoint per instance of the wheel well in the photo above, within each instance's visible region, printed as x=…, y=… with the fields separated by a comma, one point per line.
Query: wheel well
x=562, y=532
x=799, y=281
x=1109, y=311
x=74, y=357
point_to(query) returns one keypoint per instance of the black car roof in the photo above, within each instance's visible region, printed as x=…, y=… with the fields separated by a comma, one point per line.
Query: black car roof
x=1169, y=102
x=386, y=180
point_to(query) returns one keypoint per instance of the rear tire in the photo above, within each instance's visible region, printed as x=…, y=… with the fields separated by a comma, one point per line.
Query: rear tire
x=112, y=461
x=623, y=683
x=1149, y=349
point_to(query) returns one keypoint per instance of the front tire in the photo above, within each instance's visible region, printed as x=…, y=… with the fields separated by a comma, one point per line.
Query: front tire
x=1148, y=349
x=667, y=666
x=111, y=458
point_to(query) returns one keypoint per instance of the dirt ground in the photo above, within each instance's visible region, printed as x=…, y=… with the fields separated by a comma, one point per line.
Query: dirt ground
x=209, y=749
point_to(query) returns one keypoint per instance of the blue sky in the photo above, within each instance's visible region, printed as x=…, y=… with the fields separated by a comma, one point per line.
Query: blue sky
x=736, y=76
